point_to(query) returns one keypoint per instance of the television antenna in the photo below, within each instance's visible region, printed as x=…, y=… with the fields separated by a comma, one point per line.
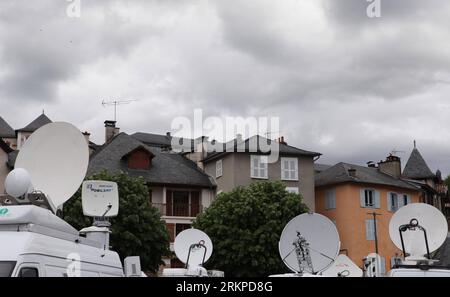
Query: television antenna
x=52, y=164
x=418, y=229
x=115, y=103
x=309, y=244
x=394, y=152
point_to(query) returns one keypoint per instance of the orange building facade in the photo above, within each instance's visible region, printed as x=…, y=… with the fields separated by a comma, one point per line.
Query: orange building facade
x=350, y=204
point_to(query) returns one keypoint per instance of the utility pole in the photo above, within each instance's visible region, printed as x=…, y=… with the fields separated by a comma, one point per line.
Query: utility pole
x=115, y=103
x=374, y=214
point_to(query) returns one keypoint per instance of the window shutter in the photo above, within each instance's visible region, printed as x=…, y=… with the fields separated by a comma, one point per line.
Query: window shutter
x=195, y=203
x=362, y=198
x=377, y=199
x=409, y=199
x=333, y=199
x=169, y=203
x=368, y=230
x=389, y=201
x=383, y=266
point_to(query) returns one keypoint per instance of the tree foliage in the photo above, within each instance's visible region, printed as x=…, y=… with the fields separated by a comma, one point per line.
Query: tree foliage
x=137, y=230
x=245, y=226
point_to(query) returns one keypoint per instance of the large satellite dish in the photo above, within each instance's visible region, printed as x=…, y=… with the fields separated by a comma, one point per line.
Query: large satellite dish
x=100, y=198
x=189, y=247
x=56, y=156
x=321, y=236
x=423, y=216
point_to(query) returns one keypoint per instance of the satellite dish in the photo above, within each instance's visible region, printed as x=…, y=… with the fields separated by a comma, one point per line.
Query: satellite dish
x=56, y=156
x=423, y=216
x=100, y=198
x=343, y=267
x=18, y=183
x=319, y=233
x=186, y=250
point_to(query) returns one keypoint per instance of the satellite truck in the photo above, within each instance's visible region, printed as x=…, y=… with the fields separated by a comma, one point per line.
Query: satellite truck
x=35, y=242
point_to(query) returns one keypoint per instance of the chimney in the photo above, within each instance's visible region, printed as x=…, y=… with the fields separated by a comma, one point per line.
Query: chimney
x=281, y=140
x=110, y=130
x=87, y=135
x=352, y=172
x=392, y=166
x=168, y=134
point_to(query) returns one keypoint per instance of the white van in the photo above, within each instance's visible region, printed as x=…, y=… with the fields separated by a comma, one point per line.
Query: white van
x=36, y=243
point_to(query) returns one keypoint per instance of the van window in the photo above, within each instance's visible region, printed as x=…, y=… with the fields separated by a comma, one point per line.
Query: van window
x=29, y=272
x=6, y=268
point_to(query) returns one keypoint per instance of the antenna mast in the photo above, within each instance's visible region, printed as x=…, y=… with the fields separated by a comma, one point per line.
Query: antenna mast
x=115, y=103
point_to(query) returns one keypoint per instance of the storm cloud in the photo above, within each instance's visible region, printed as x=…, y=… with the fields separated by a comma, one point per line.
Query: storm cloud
x=351, y=87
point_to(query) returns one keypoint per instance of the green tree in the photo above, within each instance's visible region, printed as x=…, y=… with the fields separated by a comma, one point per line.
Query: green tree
x=137, y=230
x=245, y=226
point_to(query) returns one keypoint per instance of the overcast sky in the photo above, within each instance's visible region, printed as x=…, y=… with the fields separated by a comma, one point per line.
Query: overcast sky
x=351, y=87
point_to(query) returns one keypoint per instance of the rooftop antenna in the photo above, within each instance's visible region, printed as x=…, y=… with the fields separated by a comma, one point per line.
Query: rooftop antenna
x=115, y=103
x=309, y=244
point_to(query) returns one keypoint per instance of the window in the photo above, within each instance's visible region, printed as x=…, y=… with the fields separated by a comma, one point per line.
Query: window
x=219, y=170
x=181, y=227
x=393, y=201
x=289, y=168
x=28, y=272
x=258, y=166
x=330, y=200
x=6, y=268
x=370, y=229
x=292, y=190
x=370, y=198
x=183, y=203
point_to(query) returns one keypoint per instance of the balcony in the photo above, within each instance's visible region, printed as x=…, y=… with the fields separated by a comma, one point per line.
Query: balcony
x=178, y=210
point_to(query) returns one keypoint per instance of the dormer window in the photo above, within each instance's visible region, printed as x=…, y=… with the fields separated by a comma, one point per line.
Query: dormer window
x=140, y=158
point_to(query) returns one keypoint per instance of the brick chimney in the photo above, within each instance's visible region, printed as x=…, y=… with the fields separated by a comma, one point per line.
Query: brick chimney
x=392, y=166
x=352, y=172
x=111, y=130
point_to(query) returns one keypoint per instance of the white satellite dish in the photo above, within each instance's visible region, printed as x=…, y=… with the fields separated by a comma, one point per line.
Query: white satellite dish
x=193, y=247
x=343, y=267
x=100, y=198
x=56, y=156
x=414, y=219
x=319, y=234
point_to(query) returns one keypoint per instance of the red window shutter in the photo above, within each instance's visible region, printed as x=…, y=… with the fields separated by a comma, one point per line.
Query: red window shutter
x=171, y=229
x=195, y=203
x=169, y=203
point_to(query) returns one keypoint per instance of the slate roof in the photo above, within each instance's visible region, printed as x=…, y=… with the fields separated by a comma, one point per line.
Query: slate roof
x=36, y=124
x=167, y=168
x=339, y=174
x=153, y=139
x=5, y=130
x=321, y=167
x=416, y=167
x=284, y=149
